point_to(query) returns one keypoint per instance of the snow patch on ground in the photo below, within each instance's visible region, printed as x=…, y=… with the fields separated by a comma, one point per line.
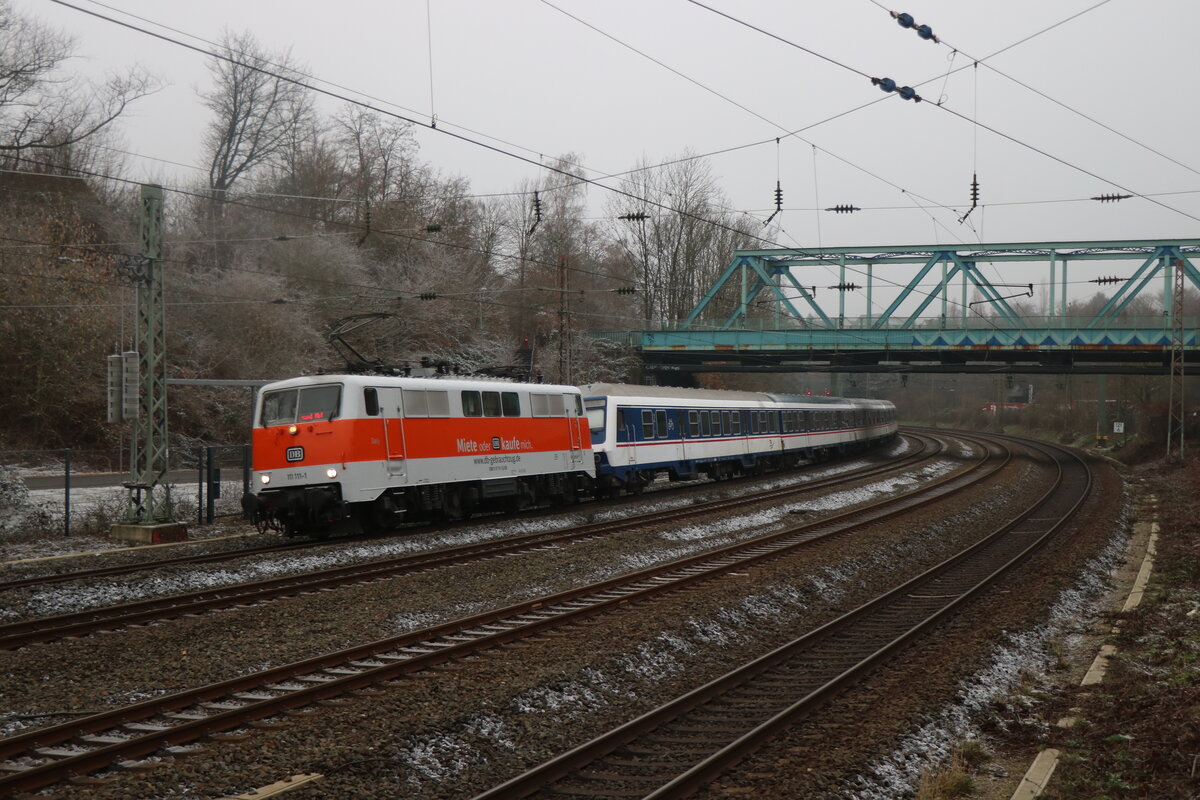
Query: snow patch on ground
x=1024, y=652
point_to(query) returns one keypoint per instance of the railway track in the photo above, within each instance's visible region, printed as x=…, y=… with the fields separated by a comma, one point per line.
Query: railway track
x=276, y=549
x=82, y=623
x=683, y=745
x=45, y=756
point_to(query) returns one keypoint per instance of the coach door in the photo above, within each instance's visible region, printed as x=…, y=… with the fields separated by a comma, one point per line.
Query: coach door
x=574, y=407
x=393, y=430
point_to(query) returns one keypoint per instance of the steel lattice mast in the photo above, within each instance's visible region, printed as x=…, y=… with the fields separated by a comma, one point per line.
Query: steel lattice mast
x=1175, y=410
x=149, y=494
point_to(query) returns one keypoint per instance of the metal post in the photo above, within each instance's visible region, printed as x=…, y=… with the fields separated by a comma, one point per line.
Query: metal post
x=945, y=290
x=870, y=291
x=200, y=485
x=213, y=486
x=149, y=492
x=842, y=292
x=1102, y=407
x=67, y=492
x=246, y=462
x=1050, y=307
x=1175, y=412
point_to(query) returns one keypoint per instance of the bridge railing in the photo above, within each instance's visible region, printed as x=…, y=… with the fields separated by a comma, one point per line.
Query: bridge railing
x=1151, y=322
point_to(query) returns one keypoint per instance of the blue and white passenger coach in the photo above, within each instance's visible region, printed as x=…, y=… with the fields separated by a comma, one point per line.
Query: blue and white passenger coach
x=639, y=432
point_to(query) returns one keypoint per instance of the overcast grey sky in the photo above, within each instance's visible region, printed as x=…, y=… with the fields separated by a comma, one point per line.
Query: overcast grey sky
x=543, y=83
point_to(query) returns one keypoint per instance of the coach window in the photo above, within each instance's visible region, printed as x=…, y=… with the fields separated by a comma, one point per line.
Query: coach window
x=735, y=423
x=647, y=424
x=371, y=402
x=471, y=404
x=726, y=423
x=660, y=420
x=491, y=404
x=693, y=424
x=716, y=422
x=774, y=420
x=753, y=422
x=762, y=422
x=705, y=429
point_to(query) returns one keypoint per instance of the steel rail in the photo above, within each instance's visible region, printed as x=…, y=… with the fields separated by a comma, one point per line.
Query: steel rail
x=798, y=657
x=189, y=715
x=80, y=623
x=287, y=547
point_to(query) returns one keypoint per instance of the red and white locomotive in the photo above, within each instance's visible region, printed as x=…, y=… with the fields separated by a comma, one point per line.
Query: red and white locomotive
x=349, y=452
x=356, y=452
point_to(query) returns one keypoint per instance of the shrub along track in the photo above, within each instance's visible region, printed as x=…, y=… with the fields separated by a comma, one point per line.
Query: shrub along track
x=81, y=623
x=43, y=756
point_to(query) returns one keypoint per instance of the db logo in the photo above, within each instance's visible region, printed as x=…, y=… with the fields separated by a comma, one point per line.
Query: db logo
x=295, y=454
x=495, y=442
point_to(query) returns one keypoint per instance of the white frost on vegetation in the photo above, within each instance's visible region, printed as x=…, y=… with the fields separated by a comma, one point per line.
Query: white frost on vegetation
x=1026, y=652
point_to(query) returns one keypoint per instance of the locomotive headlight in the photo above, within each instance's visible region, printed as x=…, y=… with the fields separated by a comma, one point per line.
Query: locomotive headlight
x=292, y=429
x=264, y=478
x=331, y=473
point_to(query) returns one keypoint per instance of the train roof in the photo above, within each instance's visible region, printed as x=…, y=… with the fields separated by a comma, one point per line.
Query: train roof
x=719, y=395
x=634, y=390
x=457, y=382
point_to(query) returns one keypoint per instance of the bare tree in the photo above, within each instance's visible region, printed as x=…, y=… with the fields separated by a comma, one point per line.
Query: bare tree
x=257, y=104
x=374, y=150
x=43, y=111
x=679, y=252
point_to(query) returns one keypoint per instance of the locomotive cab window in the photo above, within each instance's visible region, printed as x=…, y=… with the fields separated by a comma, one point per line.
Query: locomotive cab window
x=308, y=404
x=279, y=408
x=371, y=402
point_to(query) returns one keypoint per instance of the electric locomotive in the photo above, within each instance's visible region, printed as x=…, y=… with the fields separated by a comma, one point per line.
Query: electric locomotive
x=336, y=453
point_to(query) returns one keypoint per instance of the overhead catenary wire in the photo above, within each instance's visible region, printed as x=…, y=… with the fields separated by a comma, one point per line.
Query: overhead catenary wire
x=310, y=85
x=592, y=181
x=948, y=110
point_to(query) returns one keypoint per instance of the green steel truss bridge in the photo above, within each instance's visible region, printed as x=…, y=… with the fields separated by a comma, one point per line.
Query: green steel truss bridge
x=940, y=308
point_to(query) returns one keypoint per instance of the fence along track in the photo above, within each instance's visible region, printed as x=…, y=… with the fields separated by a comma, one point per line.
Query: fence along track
x=82, y=623
x=924, y=451
x=680, y=747
x=45, y=756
